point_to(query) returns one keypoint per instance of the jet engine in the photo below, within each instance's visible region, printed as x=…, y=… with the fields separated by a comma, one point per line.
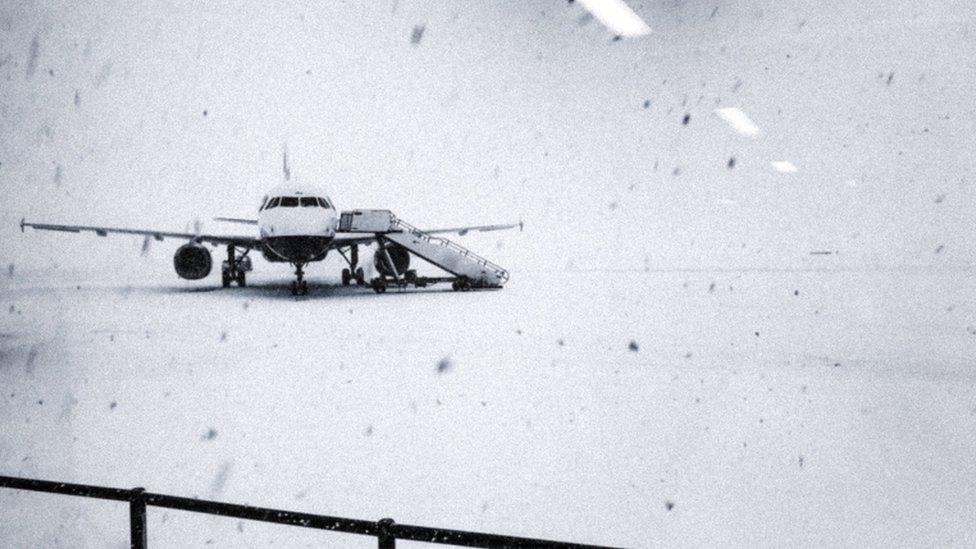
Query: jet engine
x=192, y=261
x=400, y=257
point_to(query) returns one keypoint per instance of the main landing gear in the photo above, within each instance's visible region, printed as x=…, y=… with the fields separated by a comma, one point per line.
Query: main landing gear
x=234, y=268
x=299, y=286
x=348, y=277
x=353, y=272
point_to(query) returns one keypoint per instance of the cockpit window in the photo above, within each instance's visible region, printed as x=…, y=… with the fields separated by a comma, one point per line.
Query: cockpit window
x=309, y=201
x=324, y=203
x=273, y=203
x=289, y=201
x=264, y=202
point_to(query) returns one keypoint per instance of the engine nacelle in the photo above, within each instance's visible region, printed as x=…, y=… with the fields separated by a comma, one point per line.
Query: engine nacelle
x=400, y=257
x=192, y=261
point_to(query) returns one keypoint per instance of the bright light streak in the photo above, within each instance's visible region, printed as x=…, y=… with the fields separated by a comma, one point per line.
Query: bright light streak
x=617, y=16
x=784, y=166
x=739, y=120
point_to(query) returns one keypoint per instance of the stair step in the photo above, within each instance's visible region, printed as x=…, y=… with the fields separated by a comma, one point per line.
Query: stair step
x=448, y=255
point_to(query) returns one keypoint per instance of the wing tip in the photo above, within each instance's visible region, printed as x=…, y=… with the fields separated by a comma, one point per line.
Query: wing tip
x=22, y=224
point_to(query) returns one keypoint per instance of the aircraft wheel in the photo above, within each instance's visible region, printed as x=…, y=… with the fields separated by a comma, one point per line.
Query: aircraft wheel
x=455, y=286
x=346, y=277
x=225, y=279
x=241, y=280
x=360, y=277
x=303, y=288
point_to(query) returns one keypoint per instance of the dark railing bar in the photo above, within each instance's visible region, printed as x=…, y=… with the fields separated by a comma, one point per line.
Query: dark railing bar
x=137, y=520
x=476, y=539
x=385, y=530
x=66, y=488
x=352, y=526
x=278, y=516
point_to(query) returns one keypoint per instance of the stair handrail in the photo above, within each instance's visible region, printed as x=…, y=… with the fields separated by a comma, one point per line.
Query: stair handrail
x=499, y=270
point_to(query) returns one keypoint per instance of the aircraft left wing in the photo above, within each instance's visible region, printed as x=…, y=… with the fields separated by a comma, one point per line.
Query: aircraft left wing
x=345, y=239
x=461, y=231
x=242, y=241
x=342, y=241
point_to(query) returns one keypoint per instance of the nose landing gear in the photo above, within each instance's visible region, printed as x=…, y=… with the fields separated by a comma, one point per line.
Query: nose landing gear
x=299, y=286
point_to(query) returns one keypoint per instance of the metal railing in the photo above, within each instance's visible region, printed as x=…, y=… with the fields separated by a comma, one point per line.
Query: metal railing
x=499, y=270
x=386, y=531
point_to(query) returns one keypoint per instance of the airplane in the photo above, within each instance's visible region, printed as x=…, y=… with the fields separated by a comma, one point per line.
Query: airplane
x=299, y=224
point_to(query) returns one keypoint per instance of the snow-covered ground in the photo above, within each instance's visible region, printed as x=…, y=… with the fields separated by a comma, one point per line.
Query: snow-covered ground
x=817, y=408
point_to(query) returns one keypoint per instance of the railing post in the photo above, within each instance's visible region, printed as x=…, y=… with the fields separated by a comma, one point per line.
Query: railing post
x=137, y=519
x=385, y=537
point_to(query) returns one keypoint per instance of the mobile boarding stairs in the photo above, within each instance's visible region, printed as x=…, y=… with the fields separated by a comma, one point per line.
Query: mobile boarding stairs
x=468, y=270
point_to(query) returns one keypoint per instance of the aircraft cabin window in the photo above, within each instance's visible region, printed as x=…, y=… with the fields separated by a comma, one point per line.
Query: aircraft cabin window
x=273, y=203
x=308, y=201
x=289, y=201
x=324, y=203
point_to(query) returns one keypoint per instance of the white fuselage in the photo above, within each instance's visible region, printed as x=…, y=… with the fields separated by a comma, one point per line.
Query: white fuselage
x=296, y=223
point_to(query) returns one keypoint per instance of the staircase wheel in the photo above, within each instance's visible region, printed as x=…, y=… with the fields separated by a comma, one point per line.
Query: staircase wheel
x=346, y=277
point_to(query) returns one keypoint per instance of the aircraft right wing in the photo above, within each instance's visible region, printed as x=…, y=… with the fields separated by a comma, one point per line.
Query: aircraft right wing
x=242, y=241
